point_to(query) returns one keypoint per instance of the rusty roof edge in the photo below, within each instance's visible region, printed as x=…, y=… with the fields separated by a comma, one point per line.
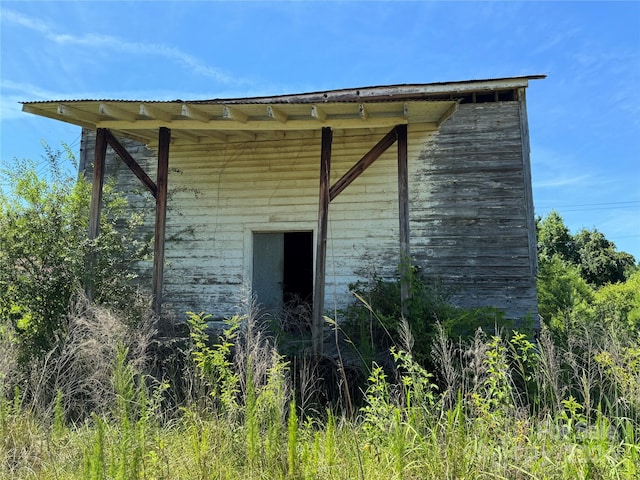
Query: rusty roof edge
x=415, y=91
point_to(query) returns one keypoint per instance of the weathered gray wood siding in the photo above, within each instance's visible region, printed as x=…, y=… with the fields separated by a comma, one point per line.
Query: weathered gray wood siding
x=472, y=210
x=468, y=209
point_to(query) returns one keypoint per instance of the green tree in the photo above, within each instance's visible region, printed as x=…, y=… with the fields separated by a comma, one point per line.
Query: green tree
x=598, y=259
x=554, y=238
x=564, y=297
x=43, y=248
x=581, y=280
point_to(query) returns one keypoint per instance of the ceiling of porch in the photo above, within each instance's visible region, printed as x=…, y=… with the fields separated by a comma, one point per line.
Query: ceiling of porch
x=216, y=121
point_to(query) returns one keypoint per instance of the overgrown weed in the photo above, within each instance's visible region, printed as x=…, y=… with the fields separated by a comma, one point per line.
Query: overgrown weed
x=507, y=408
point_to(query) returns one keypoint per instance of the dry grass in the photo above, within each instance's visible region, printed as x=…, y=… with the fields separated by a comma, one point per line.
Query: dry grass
x=80, y=365
x=574, y=419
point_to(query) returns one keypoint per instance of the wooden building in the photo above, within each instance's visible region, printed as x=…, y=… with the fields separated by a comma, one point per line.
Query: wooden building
x=303, y=194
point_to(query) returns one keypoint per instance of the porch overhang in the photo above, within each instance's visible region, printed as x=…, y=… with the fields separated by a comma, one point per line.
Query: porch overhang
x=257, y=118
x=198, y=122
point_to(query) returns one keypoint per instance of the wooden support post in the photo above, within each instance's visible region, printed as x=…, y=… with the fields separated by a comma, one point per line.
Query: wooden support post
x=317, y=337
x=403, y=215
x=164, y=138
x=100, y=155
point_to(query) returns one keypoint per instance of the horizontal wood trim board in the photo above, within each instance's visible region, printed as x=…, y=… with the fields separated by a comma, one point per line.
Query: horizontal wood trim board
x=230, y=125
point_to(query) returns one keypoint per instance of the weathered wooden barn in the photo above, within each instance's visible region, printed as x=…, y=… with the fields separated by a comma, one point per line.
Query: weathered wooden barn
x=300, y=195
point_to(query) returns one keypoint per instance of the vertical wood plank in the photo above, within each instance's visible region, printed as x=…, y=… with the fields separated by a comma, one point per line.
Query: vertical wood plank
x=100, y=155
x=321, y=242
x=528, y=194
x=528, y=197
x=164, y=138
x=403, y=215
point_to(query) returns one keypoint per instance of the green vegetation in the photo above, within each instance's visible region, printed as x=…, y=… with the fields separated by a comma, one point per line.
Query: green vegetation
x=508, y=409
x=374, y=321
x=43, y=248
x=87, y=390
x=596, y=258
x=584, y=282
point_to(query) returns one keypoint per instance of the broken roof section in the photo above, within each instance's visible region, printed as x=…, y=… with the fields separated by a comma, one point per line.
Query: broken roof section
x=219, y=120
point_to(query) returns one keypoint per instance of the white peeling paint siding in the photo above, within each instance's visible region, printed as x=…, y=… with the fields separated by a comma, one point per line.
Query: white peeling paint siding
x=221, y=193
x=468, y=209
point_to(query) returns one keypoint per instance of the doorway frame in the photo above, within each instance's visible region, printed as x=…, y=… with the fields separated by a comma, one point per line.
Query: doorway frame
x=276, y=227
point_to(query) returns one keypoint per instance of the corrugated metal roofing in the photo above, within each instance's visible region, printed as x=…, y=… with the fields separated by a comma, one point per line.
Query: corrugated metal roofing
x=418, y=90
x=196, y=121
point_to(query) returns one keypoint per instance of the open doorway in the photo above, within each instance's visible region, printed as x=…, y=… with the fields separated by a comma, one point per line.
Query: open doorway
x=283, y=270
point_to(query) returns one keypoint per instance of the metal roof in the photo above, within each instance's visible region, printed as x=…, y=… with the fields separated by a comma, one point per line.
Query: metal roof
x=199, y=121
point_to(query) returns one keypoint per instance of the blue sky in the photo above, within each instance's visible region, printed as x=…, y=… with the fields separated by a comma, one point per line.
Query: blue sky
x=584, y=119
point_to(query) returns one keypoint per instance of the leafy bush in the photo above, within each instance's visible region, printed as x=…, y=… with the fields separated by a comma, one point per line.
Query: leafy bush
x=44, y=247
x=618, y=305
x=373, y=321
x=566, y=301
x=564, y=297
x=215, y=364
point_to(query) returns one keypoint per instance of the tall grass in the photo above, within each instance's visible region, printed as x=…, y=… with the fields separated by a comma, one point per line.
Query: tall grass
x=495, y=406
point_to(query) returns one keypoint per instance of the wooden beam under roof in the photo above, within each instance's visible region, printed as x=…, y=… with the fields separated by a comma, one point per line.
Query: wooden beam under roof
x=56, y=116
x=69, y=111
x=247, y=135
x=134, y=166
x=116, y=112
x=446, y=115
x=194, y=113
x=364, y=114
x=184, y=134
x=256, y=125
x=232, y=113
x=200, y=137
x=365, y=162
x=137, y=136
x=155, y=112
x=207, y=120
x=223, y=137
x=318, y=113
x=276, y=114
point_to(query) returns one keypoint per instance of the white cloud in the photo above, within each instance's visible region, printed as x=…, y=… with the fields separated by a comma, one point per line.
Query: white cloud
x=13, y=93
x=108, y=41
x=32, y=91
x=10, y=107
x=552, y=169
x=564, y=181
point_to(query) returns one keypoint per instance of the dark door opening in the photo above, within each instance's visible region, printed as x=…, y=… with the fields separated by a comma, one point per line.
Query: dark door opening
x=283, y=269
x=298, y=268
